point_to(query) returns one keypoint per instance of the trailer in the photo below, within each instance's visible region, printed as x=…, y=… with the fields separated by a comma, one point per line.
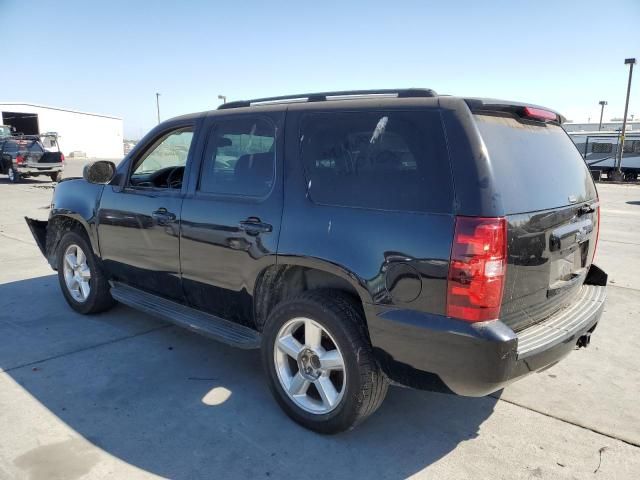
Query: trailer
x=600, y=149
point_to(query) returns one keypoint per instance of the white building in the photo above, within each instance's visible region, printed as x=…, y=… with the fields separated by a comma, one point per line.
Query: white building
x=98, y=136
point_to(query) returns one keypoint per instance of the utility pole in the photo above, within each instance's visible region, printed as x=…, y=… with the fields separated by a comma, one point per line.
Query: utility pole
x=602, y=104
x=223, y=98
x=618, y=174
x=158, y=105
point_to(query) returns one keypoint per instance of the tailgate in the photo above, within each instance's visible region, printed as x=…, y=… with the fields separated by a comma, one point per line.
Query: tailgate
x=549, y=255
x=49, y=159
x=35, y=155
x=552, y=213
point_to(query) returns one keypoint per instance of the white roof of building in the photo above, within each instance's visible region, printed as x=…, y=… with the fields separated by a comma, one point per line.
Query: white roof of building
x=59, y=109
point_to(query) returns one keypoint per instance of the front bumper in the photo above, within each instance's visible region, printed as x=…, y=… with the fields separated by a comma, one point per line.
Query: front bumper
x=475, y=359
x=39, y=231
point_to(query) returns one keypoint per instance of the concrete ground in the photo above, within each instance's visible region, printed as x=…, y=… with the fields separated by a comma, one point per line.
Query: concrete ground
x=121, y=395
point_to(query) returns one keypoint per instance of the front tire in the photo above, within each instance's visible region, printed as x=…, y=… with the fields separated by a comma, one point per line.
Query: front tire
x=319, y=362
x=83, y=283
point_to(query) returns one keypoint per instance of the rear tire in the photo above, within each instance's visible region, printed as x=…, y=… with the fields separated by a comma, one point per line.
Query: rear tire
x=83, y=283
x=334, y=382
x=14, y=175
x=56, y=177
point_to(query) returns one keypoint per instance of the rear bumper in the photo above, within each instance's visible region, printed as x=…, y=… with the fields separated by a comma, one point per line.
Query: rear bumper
x=478, y=359
x=43, y=170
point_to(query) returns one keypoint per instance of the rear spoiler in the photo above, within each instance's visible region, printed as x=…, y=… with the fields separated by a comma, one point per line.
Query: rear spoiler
x=524, y=110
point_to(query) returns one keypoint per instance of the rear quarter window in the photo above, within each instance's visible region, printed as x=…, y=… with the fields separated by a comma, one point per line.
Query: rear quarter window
x=535, y=167
x=385, y=160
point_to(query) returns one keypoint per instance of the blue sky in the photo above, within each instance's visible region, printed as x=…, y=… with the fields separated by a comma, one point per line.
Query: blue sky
x=111, y=57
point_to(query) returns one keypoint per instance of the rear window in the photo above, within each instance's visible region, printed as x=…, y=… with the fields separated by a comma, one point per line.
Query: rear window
x=393, y=160
x=35, y=147
x=30, y=146
x=536, y=167
x=10, y=147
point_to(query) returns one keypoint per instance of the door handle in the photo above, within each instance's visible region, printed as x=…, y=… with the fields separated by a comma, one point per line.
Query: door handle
x=163, y=216
x=253, y=226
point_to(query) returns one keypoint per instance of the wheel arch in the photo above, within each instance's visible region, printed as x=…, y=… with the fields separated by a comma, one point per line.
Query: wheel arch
x=286, y=280
x=58, y=225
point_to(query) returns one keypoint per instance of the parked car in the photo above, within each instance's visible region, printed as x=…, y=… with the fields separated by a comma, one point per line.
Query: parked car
x=25, y=156
x=356, y=238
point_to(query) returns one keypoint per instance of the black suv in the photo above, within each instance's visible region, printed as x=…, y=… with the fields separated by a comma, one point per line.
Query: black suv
x=356, y=238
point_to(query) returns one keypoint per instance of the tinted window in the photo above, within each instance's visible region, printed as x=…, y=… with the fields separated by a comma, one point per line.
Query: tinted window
x=535, y=166
x=392, y=160
x=632, y=146
x=240, y=158
x=10, y=147
x=34, y=147
x=598, y=147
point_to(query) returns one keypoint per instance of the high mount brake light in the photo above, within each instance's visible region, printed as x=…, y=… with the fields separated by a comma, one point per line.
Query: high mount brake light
x=539, y=114
x=477, y=269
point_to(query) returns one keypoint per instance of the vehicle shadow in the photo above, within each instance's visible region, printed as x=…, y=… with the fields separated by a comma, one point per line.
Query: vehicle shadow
x=181, y=406
x=40, y=180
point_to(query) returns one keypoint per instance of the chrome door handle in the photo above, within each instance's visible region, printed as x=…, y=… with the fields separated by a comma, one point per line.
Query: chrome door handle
x=163, y=216
x=253, y=226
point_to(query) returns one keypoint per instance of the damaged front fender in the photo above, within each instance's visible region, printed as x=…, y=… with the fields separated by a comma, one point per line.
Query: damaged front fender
x=39, y=231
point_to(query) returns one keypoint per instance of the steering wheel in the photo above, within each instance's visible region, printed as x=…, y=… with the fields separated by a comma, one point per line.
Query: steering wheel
x=177, y=182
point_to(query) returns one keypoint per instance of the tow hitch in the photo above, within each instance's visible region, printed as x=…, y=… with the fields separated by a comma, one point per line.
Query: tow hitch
x=584, y=340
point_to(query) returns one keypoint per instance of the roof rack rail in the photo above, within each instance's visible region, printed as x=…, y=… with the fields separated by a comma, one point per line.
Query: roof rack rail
x=23, y=136
x=323, y=96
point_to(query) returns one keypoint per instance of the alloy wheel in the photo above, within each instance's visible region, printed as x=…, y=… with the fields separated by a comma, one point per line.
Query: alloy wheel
x=77, y=273
x=309, y=366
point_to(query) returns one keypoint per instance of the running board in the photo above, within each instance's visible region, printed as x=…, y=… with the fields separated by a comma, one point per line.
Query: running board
x=203, y=323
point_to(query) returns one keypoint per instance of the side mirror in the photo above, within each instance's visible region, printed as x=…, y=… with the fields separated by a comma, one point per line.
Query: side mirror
x=100, y=172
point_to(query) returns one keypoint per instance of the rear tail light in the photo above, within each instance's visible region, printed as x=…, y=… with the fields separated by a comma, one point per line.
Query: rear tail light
x=477, y=269
x=19, y=160
x=62, y=157
x=539, y=114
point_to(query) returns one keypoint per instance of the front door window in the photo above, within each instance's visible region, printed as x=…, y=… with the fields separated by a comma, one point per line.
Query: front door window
x=162, y=166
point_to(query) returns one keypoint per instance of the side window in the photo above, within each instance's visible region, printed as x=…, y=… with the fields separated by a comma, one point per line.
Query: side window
x=240, y=158
x=163, y=164
x=632, y=146
x=600, y=147
x=394, y=160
